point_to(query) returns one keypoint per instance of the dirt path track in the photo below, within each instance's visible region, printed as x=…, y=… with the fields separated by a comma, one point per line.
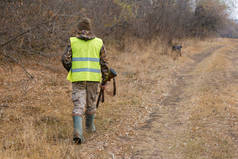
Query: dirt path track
x=198, y=118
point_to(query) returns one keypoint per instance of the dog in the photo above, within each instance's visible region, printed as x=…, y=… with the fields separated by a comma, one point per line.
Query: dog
x=178, y=49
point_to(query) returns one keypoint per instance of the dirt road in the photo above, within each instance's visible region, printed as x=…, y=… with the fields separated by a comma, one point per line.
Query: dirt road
x=198, y=118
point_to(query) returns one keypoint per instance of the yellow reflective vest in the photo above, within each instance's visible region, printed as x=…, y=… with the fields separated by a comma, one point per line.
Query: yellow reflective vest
x=85, y=60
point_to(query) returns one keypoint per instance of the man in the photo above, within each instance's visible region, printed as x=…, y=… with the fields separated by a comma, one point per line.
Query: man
x=85, y=61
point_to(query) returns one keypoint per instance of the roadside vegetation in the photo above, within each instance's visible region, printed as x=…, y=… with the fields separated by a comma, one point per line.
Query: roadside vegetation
x=43, y=27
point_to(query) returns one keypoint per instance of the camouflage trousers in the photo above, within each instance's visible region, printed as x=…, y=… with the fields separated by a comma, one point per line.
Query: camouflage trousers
x=84, y=97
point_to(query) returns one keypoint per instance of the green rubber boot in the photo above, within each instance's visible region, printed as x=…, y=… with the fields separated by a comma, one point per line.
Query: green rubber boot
x=90, y=127
x=78, y=130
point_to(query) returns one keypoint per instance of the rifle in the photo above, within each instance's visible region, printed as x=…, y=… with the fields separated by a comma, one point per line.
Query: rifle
x=112, y=74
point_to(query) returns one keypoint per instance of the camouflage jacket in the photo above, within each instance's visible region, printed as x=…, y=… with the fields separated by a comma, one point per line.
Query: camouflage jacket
x=67, y=56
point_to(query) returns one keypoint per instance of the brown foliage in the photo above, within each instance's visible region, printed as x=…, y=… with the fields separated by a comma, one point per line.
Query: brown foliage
x=209, y=17
x=42, y=26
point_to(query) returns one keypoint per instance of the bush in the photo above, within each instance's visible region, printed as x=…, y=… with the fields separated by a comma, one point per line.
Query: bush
x=209, y=18
x=46, y=25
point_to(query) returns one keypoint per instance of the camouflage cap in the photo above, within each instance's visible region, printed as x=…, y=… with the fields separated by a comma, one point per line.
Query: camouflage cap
x=84, y=24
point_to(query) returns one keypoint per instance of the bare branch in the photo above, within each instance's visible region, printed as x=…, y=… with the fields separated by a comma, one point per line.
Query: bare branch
x=17, y=62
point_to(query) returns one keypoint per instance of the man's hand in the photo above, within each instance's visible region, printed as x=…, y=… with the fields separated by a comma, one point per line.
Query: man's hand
x=103, y=87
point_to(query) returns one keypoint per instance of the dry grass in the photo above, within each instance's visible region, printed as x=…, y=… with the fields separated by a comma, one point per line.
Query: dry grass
x=35, y=115
x=193, y=121
x=213, y=116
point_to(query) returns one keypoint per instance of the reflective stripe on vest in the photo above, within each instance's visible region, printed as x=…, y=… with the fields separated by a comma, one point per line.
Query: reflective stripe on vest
x=85, y=60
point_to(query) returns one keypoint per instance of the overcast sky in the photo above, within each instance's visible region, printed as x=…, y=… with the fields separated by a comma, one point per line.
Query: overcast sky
x=234, y=13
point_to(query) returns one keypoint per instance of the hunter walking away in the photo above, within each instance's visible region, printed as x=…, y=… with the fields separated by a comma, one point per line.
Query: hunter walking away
x=87, y=66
